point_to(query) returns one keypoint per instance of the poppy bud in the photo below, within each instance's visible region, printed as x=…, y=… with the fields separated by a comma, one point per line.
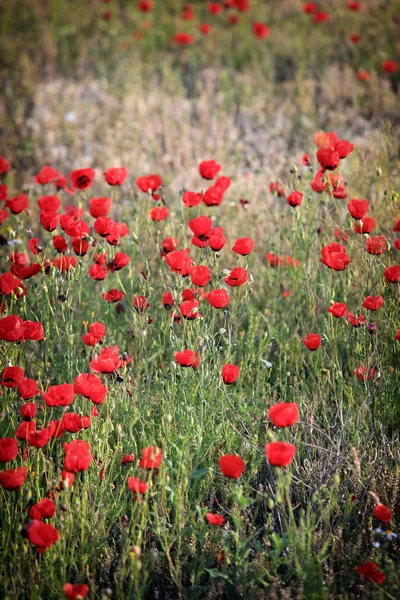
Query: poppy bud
x=371, y=328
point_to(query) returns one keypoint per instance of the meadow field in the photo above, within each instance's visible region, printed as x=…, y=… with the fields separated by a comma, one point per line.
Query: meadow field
x=199, y=299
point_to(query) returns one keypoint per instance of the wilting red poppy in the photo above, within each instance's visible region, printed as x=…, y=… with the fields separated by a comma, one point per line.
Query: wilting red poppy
x=215, y=519
x=75, y=591
x=116, y=175
x=12, y=479
x=140, y=304
x=358, y=208
x=218, y=298
x=232, y=466
x=356, y=320
x=187, y=358
x=391, y=274
x=230, y=373
x=312, y=341
x=261, y=31
x=8, y=449
x=42, y=535
x=243, y=246
x=295, y=199
x=59, y=395
x=280, y=454
x=137, y=487
x=284, y=414
x=373, y=302
x=151, y=458
x=82, y=178
x=183, y=39
x=238, y=276
x=338, y=309
x=77, y=456
x=389, y=66
x=369, y=572
x=44, y=509
x=382, y=513
x=209, y=169
x=365, y=373
x=375, y=244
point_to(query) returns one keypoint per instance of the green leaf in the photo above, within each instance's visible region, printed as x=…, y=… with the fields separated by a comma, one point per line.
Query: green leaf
x=199, y=473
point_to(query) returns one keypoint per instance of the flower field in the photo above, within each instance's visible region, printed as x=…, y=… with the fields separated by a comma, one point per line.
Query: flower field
x=199, y=300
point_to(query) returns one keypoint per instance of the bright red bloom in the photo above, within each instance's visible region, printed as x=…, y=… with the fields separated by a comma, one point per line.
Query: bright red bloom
x=328, y=158
x=159, y=213
x=98, y=273
x=363, y=75
x=190, y=309
x=389, y=66
x=136, y=486
x=39, y=438
x=238, y=276
x=12, y=376
x=284, y=414
x=151, y=458
x=60, y=244
x=318, y=184
x=280, y=454
x=42, y=535
x=114, y=295
x=382, y=513
x=140, y=304
x=365, y=225
x=200, y=275
x=18, y=204
x=95, y=336
x=82, y=178
x=232, y=466
x=365, y=373
x=213, y=196
x=230, y=373
x=119, y=261
x=64, y=263
x=218, y=298
x=335, y=257
x=376, y=244
x=358, y=208
x=190, y=199
x=215, y=519
x=90, y=386
x=183, y=39
x=9, y=283
x=77, y=456
x=214, y=8
x=12, y=479
x=295, y=199
x=28, y=410
x=356, y=320
x=216, y=240
x=115, y=176
x=75, y=591
x=59, y=395
x=309, y=7
x=49, y=203
x=312, y=341
x=149, y=184
x=107, y=361
x=4, y=165
x=12, y=328
x=338, y=309
x=145, y=6
x=187, y=358
x=261, y=31
x=8, y=449
x=205, y=28
x=373, y=302
x=100, y=207
x=179, y=262
x=391, y=274
x=320, y=17
x=44, y=509
x=243, y=246
x=369, y=572
x=49, y=220
x=168, y=300
x=209, y=169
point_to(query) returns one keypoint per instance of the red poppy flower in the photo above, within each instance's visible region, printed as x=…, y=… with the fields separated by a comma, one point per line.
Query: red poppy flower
x=95, y=336
x=4, y=165
x=356, y=320
x=77, y=456
x=39, y=438
x=3, y=216
x=183, y=39
x=389, y=66
x=280, y=454
x=232, y=466
x=159, y=213
x=187, y=358
x=320, y=17
x=98, y=273
x=354, y=5
x=284, y=414
x=335, y=257
x=80, y=246
x=369, y=572
x=215, y=519
x=216, y=240
x=49, y=220
x=205, y=28
x=214, y=8
x=24, y=429
x=100, y=207
x=191, y=199
x=318, y=184
x=209, y=169
x=151, y=458
x=243, y=246
x=168, y=300
x=309, y=7
x=136, y=486
x=114, y=295
x=373, y=302
x=149, y=184
x=3, y=192
x=363, y=75
x=295, y=199
x=213, y=196
x=44, y=509
x=8, y=449
x=59, y=395
x=391, y=274
x=145, y=6
x=382, y=513
x=238, y=276
x=200, y=275
x=115, y=176
x=190, y=309
x=312, y=341
x=18, y=204
x=140, y=304
x=375, y=245
x=12, y=328
x=261, y=31
x=82, y=178
x=365, y=373
x=242, y=5
x=230, y=373
x=42, y=535
x=49, y=203
x=12, y=479
x=11, y=377
x=119, y=261
x=365, y=225
x=28, y=410
x=179, y=262
x=355, y=38
x=60, y=244
x=107, y=361
x=90, y=386
x=358, y=208
x=26, y=271
x=9, y=283
x=338, y=309
x=75, y=591
x=218, y=298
